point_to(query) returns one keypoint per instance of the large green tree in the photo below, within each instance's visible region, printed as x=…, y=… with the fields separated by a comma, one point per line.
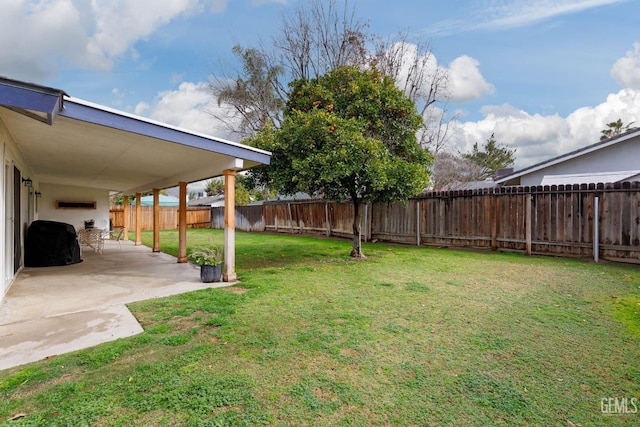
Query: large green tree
x=346, y=135
x=245, y=192
x=491, y=157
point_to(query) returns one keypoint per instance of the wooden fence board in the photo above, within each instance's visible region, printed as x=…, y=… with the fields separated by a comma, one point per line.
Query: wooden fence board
x=168, y=218
x=562, y=219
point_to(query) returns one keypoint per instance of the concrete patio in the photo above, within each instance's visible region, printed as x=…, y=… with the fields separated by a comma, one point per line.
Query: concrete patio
x=54, y=310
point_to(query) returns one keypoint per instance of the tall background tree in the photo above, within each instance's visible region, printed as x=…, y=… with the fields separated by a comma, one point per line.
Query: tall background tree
x=451, y=171
x=253, y=95
x=491, y=157
x=347, y=135
x=614, y=129
x=317, y=37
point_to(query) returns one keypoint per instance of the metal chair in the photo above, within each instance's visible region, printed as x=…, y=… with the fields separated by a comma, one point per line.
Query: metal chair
x=115, y=234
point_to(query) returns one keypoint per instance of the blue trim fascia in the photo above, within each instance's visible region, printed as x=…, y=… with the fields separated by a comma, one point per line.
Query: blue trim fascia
x=31, y=99
x=124, y=123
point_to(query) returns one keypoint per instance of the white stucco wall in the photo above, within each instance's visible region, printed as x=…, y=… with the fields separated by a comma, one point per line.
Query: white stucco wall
x=623, y=156
x=76, y=217
x=5, y=278
x=9, y=158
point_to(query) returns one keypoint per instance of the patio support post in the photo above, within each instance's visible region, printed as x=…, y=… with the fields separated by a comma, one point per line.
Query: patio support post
x=229, y=272
x=156, y=220
x=182, y=223
x=138, y=218
x=125, y=212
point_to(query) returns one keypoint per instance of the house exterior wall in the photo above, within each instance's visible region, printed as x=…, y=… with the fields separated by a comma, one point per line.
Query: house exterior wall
x=9, y=159
x=623, y=156
x=51, y=193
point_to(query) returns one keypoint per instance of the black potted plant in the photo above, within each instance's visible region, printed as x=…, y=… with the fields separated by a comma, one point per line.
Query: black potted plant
x=209, y=258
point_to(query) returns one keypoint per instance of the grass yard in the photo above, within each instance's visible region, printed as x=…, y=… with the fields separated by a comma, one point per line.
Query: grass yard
x=409, y=336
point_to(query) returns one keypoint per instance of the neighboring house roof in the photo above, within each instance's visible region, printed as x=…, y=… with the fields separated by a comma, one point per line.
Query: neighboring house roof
x=591, y=178
x=77, y=143
x=569, y=156
x=285, y=198
x=164, y=201
x=211, y=201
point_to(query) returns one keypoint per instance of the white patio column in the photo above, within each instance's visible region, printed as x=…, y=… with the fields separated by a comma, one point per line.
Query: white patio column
x=182, y=223
x=138, y=218
x=156, y=220
x=229, y=272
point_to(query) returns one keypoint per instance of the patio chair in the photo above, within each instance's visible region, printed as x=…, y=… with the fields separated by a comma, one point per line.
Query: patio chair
x=91, y=237
x=115, y=234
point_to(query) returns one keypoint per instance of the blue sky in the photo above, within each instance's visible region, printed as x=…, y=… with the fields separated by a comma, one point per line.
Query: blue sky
x=544, y=76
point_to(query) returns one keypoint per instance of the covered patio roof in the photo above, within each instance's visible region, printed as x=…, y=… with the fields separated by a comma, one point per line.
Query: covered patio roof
x=77, y=143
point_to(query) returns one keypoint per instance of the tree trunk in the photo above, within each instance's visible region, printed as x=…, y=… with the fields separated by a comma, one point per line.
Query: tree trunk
x=356, y=252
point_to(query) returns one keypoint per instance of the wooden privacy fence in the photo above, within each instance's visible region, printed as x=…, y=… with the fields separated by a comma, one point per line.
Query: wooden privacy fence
x=594, y=220
x=199, y=217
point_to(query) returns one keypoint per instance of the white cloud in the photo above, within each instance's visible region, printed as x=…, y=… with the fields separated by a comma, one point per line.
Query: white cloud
x=217, y=6
x=263, y=2
x=466, y=83
x=537, y=137
x=120, y=23
x=141, y=109
x=499, y=15
x=33, y=34
x=521, y=13
x=118, y=96
x=36, y=34
x=177, y=78
x=626, y=71
x=192, y=107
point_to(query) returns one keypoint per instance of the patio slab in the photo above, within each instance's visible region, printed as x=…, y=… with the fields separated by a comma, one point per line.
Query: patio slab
x=54, y=310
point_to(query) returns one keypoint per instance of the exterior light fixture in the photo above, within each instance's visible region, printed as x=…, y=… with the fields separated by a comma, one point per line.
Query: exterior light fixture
x=38, y=194
x=27, y=182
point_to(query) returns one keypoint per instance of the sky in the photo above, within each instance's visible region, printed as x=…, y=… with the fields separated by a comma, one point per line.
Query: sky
x=543, y=76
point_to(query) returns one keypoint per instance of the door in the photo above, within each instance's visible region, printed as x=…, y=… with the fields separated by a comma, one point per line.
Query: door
x=7, y=199
x=17, y=235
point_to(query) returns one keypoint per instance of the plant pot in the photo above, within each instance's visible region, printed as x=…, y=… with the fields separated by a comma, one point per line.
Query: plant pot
x=211, y=273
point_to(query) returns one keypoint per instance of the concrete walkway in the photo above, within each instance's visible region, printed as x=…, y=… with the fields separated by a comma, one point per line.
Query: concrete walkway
x=54, y=310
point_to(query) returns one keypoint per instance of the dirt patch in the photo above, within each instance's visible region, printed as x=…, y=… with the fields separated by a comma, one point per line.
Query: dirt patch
x=236, y=290
x=349, y=352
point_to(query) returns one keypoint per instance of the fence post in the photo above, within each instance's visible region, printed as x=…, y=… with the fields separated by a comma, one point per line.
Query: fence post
x=290, y=217
x=528, y=224
x=417, y=222
x=326, y=218
x=366, y=220
x=596, y=229
x=370, y=221
x=494, y=223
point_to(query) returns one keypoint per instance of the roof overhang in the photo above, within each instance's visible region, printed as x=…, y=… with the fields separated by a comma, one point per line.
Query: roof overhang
x=568, y=156
x=89, y=145
x=591, y=178
x=37, y=102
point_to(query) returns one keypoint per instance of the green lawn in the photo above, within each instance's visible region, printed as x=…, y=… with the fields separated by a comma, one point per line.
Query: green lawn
x=408, y=336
